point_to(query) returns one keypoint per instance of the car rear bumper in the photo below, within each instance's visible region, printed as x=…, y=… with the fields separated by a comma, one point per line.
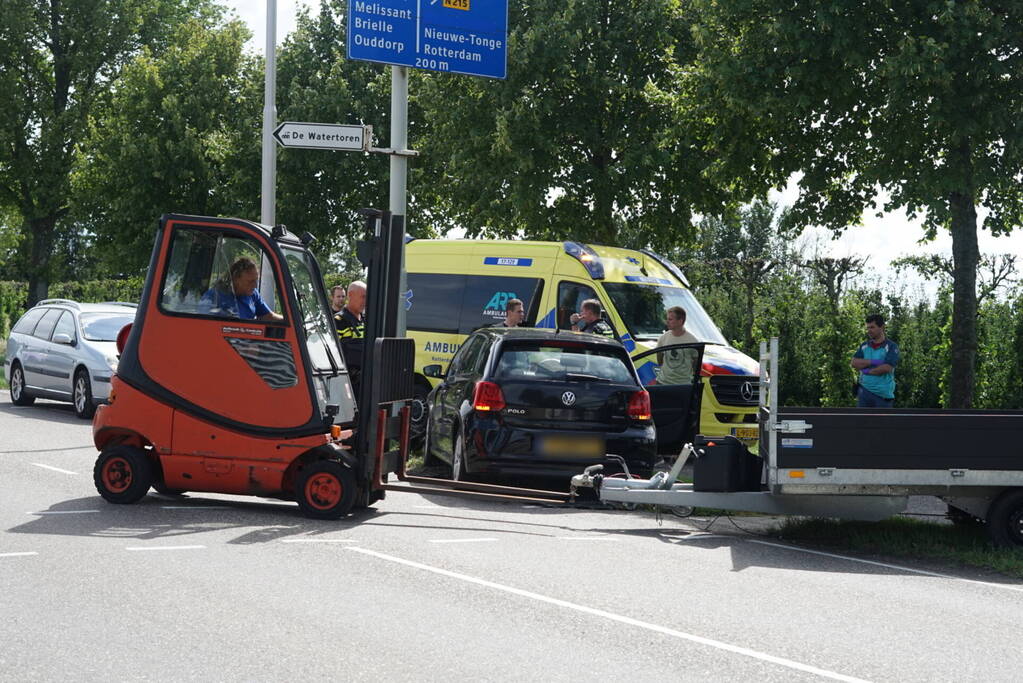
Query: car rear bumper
x=498, y=449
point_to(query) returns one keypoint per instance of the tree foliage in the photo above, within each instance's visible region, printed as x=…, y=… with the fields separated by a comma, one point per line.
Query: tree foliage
x=919, y=98
x=59, y=59
x=167, y=140
x=577, y=142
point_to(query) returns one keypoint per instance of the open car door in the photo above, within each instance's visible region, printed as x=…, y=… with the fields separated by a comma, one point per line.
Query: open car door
x=671, y=374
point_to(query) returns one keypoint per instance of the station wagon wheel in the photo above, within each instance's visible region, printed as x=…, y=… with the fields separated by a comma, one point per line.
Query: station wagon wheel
x=419, y=414
x=123, y=474
x=326, y=490
x=81, y=395
x=19, y=396
x=1005, y=519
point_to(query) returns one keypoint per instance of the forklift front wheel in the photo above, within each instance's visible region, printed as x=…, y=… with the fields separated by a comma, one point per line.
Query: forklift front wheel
x=123, y=474
x=326, y=490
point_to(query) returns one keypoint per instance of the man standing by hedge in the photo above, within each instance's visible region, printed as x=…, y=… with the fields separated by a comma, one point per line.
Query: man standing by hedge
x=876, y=360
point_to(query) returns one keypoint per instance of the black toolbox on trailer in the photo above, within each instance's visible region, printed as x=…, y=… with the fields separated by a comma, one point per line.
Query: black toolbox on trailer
x=723, y=463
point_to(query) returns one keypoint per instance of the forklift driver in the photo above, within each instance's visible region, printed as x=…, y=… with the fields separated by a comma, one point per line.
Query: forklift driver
x=237, y=294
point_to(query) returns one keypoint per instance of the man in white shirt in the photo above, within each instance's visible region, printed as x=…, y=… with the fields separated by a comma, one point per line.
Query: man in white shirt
x=677, y=365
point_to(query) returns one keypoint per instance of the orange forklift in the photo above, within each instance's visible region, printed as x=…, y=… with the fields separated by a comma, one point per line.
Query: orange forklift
x=225, y=386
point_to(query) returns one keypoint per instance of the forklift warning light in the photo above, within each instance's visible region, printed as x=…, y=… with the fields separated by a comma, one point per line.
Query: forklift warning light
x=797, y=474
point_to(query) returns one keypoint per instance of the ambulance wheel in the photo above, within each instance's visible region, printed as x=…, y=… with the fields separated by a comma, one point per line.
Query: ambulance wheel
x=419, y=414
x=19, y=396
x=1005, y=519
x=123, y=474
x=326, y=490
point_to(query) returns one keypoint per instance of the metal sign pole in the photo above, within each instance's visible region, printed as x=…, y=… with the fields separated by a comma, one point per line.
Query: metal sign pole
x=399, y=173
x=269, y=185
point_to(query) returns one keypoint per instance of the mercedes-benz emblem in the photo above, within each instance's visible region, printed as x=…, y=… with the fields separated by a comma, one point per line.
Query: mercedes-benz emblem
x=568, y=398
x=746, y=390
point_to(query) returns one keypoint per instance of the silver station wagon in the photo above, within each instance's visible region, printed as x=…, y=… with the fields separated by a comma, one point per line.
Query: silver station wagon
x=66, y=351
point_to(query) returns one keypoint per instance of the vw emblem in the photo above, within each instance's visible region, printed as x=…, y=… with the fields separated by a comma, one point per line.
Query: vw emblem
x=746, y=390
x=568, y=398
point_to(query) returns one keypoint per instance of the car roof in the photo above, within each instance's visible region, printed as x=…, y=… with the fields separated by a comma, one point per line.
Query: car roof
x=543, y=333
x=103, y=307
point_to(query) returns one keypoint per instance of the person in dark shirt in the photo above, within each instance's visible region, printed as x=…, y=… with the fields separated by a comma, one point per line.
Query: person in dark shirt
x=237, y=294
x=514, y=314
x=588, y=319
x=351, y=331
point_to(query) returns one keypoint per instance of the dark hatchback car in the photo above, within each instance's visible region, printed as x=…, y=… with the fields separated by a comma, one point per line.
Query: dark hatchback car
x=539, y=402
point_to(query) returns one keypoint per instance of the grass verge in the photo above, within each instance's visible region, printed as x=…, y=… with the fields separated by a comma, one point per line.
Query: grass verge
x=959, y=544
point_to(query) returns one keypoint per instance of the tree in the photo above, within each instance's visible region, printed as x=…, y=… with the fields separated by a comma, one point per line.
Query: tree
x=57, y=58
x=168, y=139
x=577, y=143
x=742, y=250
x=919, y=98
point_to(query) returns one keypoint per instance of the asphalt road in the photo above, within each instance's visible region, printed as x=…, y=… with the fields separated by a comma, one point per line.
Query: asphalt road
x=210, y=587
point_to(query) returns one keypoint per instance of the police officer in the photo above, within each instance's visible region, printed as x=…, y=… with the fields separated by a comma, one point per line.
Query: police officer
x=351, y=331
x=588, y=319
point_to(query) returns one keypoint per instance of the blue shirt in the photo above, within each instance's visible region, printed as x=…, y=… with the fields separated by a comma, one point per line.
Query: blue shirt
x=887, y=353
x=217, y=301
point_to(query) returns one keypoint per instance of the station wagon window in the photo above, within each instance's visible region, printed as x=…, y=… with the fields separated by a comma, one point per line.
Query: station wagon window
x=104, y=326
x=199, y=279
x=66, y=325
x=29, y=320
x=45, y=327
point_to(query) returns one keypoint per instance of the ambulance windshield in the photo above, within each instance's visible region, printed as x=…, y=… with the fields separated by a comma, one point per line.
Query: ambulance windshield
x=642, y=307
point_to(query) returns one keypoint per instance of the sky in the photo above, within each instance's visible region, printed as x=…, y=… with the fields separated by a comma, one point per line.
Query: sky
x=880, y=239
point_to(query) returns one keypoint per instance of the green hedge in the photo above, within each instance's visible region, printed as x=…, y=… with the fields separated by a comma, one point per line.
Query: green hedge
x=14, y=296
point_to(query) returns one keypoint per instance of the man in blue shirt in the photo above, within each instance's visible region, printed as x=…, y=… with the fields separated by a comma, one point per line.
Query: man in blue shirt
x=876, y=360
x=237, y=295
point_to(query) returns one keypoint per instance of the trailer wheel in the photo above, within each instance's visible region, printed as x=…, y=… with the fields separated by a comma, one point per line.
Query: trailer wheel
x=326, y=490
x=1005, y=519
x=123, y=474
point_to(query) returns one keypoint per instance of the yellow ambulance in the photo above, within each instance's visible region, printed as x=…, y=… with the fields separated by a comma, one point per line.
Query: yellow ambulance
x=457, y=286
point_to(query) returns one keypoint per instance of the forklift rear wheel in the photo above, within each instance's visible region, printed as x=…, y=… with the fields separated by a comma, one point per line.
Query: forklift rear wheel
x=326, y=490
x=123, y=474
x=1005, y=519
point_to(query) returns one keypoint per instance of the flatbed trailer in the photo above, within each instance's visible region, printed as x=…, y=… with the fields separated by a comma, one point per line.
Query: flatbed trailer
x=859, y=463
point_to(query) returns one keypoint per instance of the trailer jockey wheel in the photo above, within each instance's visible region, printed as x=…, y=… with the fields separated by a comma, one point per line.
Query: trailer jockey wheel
x=123, y=474
x=325, y=490
x=1005, y=519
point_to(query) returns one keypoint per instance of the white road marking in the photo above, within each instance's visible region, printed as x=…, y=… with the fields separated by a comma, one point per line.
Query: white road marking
x=25, y=554
x=61, y=512
x=694, y=537
x=587, y=538
x=51, y=467
x=924, y=572
x=463, y=540
x=318, y=540
x=167, y=547
x=428, y=507
x=728, y=647
x=194, y=507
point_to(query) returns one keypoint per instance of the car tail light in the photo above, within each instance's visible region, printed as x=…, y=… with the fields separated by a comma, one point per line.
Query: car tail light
x=639, y=405
x=487, y=398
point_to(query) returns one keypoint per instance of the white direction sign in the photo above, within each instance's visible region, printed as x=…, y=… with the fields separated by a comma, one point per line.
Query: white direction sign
x=324, y=136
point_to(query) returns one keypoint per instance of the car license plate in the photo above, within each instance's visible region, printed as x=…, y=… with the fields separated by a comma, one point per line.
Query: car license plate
x=746, y=432
x=572, y=446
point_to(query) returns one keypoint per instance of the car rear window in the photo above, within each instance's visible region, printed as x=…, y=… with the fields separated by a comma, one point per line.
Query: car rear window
x=104, y=326
x=562, y=363
x=29, y=320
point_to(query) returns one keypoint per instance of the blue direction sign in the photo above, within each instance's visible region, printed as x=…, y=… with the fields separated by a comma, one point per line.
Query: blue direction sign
x=461, y=36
